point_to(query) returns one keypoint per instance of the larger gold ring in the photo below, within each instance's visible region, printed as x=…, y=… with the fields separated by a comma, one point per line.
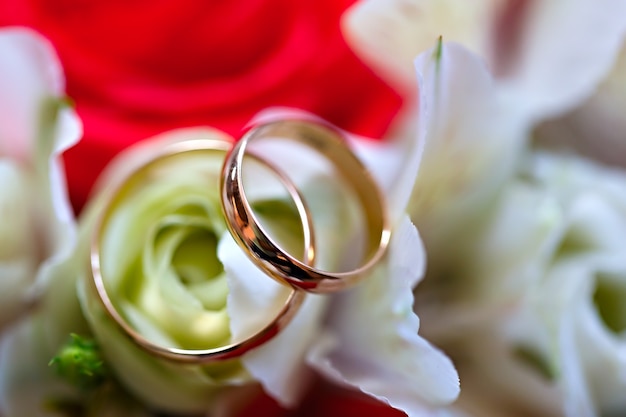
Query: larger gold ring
x=229, y=351
x=264, y=251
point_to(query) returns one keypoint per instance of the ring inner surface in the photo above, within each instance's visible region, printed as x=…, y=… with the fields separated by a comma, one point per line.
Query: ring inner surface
x=321, y=164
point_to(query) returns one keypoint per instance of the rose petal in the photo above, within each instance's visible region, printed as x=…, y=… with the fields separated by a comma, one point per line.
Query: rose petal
x=27, y=382
x=589, y=354
x=394, y=164
x=18, y=237
x=564, y=49
x=30, y=74
x=596, y=128
x=389, y=34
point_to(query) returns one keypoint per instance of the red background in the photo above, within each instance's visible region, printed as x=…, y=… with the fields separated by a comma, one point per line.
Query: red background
x=136, y=68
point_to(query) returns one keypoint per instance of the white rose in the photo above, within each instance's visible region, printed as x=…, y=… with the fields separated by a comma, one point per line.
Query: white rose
x=539, y=297
x=179, y=279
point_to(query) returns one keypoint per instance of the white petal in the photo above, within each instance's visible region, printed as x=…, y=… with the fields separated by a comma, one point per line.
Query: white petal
x=57, y=213
x=29, y=74
x=254, y=300
x=591, y=355
x=565, y=48
x=161, y=384
x=582, y=247
x=472, y=142
x=394, y=163
x=577, y=399
x=576, y=391
x=596, y=129
x=16, y=231
x=140, y=153
x=389, y=34
x=372, y=341
x=68, y=132
x=26, y=380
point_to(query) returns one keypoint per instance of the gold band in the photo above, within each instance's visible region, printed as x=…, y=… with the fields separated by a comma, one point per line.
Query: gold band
x=263, y=251
x=230, y=351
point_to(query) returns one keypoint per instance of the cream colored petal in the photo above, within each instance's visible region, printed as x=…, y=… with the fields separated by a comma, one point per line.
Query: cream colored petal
x=564, y=49
x=389, y=34
x=19, y=254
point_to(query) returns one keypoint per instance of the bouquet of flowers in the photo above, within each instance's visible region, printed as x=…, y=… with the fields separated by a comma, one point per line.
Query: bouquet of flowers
x=420, y=203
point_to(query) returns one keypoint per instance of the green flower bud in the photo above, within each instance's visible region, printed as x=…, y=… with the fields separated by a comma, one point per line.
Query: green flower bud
x=80, y=363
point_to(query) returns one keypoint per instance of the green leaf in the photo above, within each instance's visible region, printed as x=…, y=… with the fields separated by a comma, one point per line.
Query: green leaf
x=438, y=50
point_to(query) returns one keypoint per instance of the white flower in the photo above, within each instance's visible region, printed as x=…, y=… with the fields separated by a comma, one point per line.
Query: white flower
x=546, y=280
x=473, y=141
x=547, y=55
x=36, y=126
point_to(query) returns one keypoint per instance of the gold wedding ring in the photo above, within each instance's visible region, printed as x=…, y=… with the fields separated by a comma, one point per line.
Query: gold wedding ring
x=229, y=351
x=260, y=247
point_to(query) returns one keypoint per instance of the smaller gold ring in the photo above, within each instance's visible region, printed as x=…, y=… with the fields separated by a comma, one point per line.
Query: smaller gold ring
x=261, y=249
x=230, y=351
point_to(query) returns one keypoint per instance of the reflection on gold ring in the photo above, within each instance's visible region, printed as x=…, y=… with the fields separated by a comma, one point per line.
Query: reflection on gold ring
x=261, y=248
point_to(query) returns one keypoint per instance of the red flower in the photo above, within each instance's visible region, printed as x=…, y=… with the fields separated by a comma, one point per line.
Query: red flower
x=138, y=68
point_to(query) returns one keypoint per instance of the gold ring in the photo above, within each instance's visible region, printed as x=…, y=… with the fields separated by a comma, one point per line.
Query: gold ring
x=261, y=249
x=230, y=351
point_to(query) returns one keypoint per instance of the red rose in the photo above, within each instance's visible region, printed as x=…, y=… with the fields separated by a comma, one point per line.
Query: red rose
x=138, y=68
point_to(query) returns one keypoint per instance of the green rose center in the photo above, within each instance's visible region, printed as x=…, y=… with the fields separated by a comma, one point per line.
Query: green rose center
x=159, y=256
x=608, y=298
